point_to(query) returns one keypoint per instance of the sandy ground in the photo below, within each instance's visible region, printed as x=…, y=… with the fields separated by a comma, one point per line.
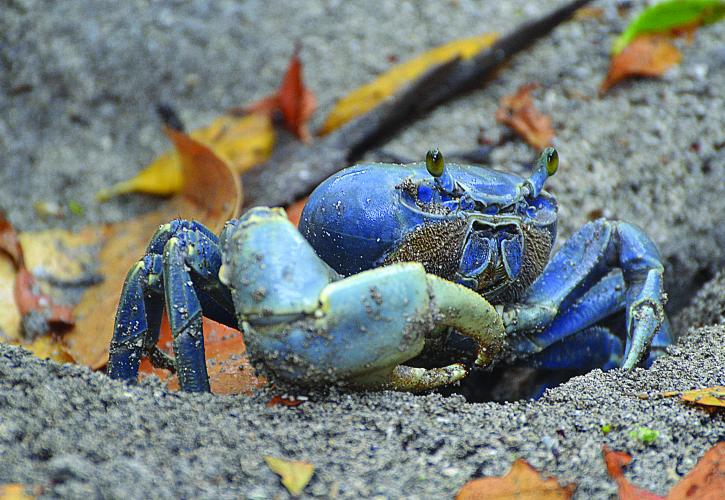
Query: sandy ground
x=78, y=86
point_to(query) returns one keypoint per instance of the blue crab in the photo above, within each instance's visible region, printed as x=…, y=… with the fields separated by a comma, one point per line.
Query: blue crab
x=389, y=260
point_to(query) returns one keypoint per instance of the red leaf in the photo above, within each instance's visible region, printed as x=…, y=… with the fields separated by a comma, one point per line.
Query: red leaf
x=280, y=401
x=616, y=461
x=29, y=298
x=293, y=99
x=9, y=241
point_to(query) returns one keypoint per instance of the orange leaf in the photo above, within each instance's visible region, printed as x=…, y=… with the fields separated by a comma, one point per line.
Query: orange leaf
x=521, y=482
x=707, y=480
x=616, y=461
x=211, y=194
x=14, y=491
x=293, y=99
x=281, y=401
x=648, y=55
x=294, y=211
x=227, y=364
x=518, y=112
x=713, y=397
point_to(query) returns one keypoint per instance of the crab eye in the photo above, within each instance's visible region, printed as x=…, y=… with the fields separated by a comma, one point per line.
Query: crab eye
x=434, y=162
x=552, y=160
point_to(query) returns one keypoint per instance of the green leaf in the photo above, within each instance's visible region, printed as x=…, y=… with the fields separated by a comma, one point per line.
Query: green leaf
x=644, y=435
x=669, y=15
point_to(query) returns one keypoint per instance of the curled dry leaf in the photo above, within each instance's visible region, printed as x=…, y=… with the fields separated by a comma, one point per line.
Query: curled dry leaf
x=366, y=97
x=649, y=55
x=295, y=101
x=294, y=474
x=521, y=482
x=211, y=194
x=20, y=291
x=518, y=112
x=713, y=397
x=241, y=142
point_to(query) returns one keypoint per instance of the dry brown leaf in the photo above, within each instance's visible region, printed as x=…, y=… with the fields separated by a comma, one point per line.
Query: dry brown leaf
x=588, y=13
x=293, y=99
x=521, y=482
x=294, y=474
x=649, y=55
x=713, y=397
x=518, y=112
x=294, y=211
x=282, y=401
x=211, y=195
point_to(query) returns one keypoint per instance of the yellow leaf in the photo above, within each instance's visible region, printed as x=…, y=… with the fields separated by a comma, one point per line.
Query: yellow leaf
x=14, y=491
x=10, y=321
x=295, y=475
x=709, y=396
x=365, y=98
x=241, y=142
x=48, y=348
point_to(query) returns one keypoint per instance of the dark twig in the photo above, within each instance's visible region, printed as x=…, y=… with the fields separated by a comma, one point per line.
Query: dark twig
x=294, y=170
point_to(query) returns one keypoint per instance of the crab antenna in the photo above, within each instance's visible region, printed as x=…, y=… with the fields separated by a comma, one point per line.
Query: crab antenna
x=545, y=167
x=436, y=166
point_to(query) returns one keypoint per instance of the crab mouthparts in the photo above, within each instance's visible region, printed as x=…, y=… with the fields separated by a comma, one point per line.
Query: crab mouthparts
x=491, y=255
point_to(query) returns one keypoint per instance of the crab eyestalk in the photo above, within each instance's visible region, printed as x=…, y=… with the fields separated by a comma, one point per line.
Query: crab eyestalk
x=546, y=166
x=436, y=166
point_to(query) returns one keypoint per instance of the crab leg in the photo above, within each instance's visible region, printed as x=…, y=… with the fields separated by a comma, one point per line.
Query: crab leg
x=577, y=289
x=137, y=320
x=191, y=258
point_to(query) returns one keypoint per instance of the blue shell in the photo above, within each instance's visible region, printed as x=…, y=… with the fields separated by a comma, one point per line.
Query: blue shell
x=354, y=217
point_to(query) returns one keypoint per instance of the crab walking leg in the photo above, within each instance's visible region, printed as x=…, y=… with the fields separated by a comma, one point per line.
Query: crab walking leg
x=137, y=319
x=139, y=313
x=601, y=300
x=594, y=347
x=571, y=281
x=191, y=265
x=204, y=258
